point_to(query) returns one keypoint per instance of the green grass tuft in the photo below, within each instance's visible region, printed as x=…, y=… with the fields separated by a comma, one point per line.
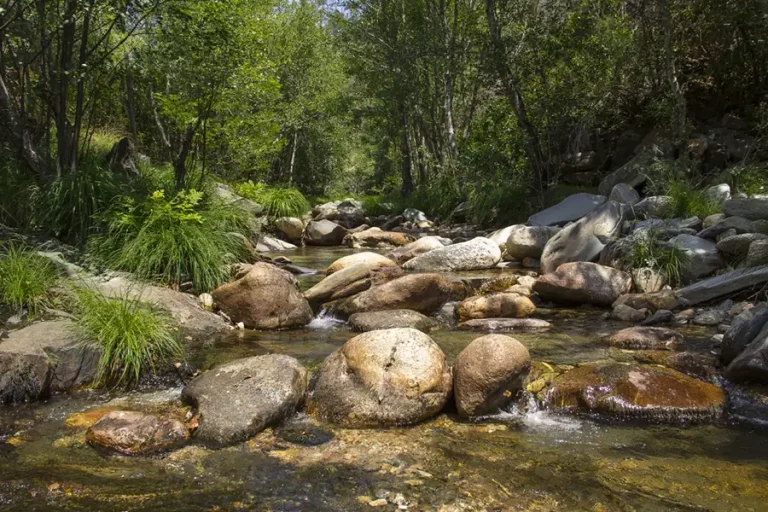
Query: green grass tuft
x=649, y=252
x=689, y=202
x=133, y=337
x=25, y=279
x=277, y=201
x=172, y=240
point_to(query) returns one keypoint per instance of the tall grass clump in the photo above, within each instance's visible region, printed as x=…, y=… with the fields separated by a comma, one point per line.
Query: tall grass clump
x=648, y=251
x=19, y=187
x=170, y=240
x=25, y=279
x=277, y=201
x=689, y=202
x=133, y=337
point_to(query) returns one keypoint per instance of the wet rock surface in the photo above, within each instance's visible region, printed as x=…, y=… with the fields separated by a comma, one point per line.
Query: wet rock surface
x=496, y=305
x=425, y=293
x=136, y=433
x=398, y=318
x=647, y=338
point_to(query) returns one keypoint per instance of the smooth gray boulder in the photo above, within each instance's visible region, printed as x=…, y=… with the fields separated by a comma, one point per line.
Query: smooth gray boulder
x=239, y=399
x=718, y=193
x=632, y=173
x=750, y=208
x=324, y=232
x=722, y=285
x=500, y=236
x=704, y=256
x=393, y=319
x=653, y=206
x=569, y=209
x=529, y=241
x=415, y=216
x=43, y=358
x=738, y=224
x=624, y=194
x=384, y=378
x=738, y=245
x=751, y=365
x=743, y=330
x=757, y=255
x=268, y=243
x=477, y=254
x=583, y=240
x=420, y=246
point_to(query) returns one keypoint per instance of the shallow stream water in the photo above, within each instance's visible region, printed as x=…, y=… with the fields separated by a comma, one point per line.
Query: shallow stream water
x=520, y=459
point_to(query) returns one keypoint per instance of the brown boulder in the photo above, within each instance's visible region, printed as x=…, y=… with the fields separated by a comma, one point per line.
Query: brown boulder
x=136, y=433
x=581, y=282
x=375, y=237
x=647, y=338
x=267, y=297
x=420, y=246
x=371, y=259
x=496, y=305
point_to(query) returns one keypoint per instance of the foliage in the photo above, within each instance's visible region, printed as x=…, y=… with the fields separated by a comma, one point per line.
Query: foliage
x=25, y=278
x=171, y=240
x=134, y=338
x=751, y=179
x=648, y=251
x=690, y=202
x=16, y=203
x=277, y=201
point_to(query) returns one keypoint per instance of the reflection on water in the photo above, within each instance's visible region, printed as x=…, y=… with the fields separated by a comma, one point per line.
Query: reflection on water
x=519, y=459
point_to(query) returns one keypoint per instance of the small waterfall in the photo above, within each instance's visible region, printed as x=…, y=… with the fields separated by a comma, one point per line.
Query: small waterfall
x=526, y=411
x=324, y=320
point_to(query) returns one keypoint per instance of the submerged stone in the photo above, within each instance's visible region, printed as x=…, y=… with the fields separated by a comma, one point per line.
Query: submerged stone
x=377, y=320
x=136, y=433
x=507, y=324
x=647, y=338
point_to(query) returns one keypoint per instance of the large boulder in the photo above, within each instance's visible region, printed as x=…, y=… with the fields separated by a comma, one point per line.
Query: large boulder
x=647, y=338
x=229, y=198
x=291, y=227
x=415, y=216
x=718, y=193
x=500, y=236
x=376, y=238
x=529, y=241
x=324, y=232
x=496, y=305
x=420, y=246
x=635, y=392
x=624, y=194
x=239, y=399
x=136, y=433
x=583, y=240
x=738, y=245
x=425, y=293
x=743, y=331
x=738, y=225
x=632, y=173
x=704, y=256
x=267, y=243
x=370, y=259
x=488, y=374
x=383, y=378
x=653, y=206
x=43, y=358
x=349, y=281
x=757, y=254
x=265, y=298
x=584, y=283
x=397, y=318
x=653, y=301
x=347, y=213
x=722, y=285
x=569, y=209
x=751, y=364
x=751, y=208
x=476, y=254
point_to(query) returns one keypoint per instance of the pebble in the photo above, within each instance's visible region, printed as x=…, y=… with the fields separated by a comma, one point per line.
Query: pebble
x=381, y=502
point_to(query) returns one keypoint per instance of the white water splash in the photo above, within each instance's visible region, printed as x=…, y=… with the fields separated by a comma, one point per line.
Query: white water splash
x=529, y=414
x=324, y=320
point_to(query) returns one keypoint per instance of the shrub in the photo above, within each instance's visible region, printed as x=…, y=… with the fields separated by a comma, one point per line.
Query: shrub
x=689, y=202
x=277, y=201
x=647, y=251
x=379, y=205
x=19, y=187
x=171, y=241
x=25, y=279
x=133, y=337
x=750, y=179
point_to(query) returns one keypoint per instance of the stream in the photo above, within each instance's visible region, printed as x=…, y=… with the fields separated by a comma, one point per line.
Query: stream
x=519, y=459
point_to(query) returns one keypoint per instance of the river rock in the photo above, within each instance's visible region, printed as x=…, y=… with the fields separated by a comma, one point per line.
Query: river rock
x=324, y=232
x=703, y=254
x=710, y=317
x=736, y=224
x=476, y=254
x=415, y=216
x=376, y=238
x=425, y=293
x=569, y=209
x=738, y=245
x=500, y=236
x=653, y=206
x=291, y=227
x=664, y=299
x=751, y=208
x=624, y=194
x=585, y=283
x=371, y=259
x=632, y=173
x=42, y=358
x=583, y=240
x=496, y=305
x=348, y=213
x=266, y=298
x=136, y=433
x=625, y=313
x=660, y=317
x=647, y=338
x=420, y=246
x=239, y=399
x=718, y=193
x=751, y=365
x=507, y=325
x=383, y=378
x=635, y=391
x=757, y=255
x=396, y=318
x=648, y=280
x=529, y=241
x=267, y=243
x=488, y=374
x=349, y=281
x=712, y=220
x=743, y=331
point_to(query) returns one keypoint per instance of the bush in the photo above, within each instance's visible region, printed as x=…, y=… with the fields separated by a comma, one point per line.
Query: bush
x=689, y=202
x=25, y=279
x=750, y=179
x=171, y=241
x=277, y=201
x=132, y=336
x=649, y=252
x=19, y=187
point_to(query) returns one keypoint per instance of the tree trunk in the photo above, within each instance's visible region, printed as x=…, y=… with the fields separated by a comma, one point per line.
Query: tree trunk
x=405, y=155
x=294, y=144
x=63, y=129
x=512, y=92
x=180, y=164
x=671, y=71
x=130, y=104
x=80, y=99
